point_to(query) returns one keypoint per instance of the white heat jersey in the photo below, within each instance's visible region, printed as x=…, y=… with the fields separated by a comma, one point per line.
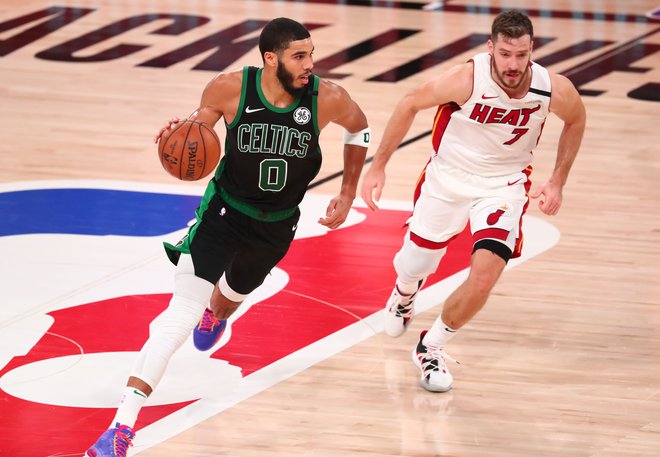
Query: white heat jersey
x=491, y=134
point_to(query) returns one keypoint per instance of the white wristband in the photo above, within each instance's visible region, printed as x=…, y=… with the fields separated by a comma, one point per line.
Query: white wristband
x=361, y=138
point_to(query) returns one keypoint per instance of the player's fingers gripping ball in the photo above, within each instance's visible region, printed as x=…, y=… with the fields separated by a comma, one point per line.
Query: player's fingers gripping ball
x=191, y=151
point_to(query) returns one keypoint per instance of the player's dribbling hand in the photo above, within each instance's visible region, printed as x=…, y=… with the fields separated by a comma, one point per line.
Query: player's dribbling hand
x=372, y=187
x=172, y=122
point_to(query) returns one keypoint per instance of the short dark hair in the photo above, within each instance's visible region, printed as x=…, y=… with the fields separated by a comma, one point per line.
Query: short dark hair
x=511, y=24
x=279, y=33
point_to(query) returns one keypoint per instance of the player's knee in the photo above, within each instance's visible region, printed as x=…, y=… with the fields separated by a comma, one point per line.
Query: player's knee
x=414, y=262
x=489, y=260
x=229, y=292
x=482, y=283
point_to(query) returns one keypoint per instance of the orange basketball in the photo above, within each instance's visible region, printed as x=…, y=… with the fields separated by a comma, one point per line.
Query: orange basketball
x=190, y=152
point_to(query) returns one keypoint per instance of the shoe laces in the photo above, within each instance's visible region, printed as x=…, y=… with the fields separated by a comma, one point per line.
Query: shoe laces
x=403, y=305
x=404, y=310
x=437, y=358
x=208, y=321
x=122, y=440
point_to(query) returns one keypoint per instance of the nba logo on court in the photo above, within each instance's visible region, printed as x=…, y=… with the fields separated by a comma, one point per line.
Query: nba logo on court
x=84, y=274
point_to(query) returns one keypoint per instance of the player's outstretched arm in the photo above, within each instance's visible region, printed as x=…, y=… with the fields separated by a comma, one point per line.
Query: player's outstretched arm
x=567, y=105
x=453, y=85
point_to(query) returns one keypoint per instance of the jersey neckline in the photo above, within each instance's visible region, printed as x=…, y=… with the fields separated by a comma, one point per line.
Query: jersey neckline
x=267, y=104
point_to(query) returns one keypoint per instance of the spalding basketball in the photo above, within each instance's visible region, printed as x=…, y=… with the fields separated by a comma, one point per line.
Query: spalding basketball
x=191, y=151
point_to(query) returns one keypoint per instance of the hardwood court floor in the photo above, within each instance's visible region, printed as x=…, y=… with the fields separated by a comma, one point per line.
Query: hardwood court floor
x=564, y=358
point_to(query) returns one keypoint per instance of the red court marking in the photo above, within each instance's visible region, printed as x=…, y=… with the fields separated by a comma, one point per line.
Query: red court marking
x=350, y=268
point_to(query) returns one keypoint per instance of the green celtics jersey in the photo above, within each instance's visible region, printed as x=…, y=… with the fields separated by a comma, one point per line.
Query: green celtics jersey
x=271, y=154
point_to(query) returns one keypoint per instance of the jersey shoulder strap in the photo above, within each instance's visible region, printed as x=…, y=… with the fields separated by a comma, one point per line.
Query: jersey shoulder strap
x=248, y=78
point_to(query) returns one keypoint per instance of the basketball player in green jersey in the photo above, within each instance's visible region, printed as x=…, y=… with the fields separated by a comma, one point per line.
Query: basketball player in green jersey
x=249, y=213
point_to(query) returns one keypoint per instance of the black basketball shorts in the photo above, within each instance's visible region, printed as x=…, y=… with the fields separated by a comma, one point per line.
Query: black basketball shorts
x=227, y=241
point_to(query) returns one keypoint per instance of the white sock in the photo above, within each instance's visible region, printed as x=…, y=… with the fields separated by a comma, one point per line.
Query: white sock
x=439, y=334
x=131, y=402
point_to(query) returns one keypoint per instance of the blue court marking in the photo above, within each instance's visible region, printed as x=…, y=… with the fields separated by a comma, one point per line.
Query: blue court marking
x=94, y=212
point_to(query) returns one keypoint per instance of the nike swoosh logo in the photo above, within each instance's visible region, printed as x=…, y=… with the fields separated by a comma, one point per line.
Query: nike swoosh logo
x=253, y=110
x=512, y=183
x=137, y=392
x=486, y=98
x=293, y=229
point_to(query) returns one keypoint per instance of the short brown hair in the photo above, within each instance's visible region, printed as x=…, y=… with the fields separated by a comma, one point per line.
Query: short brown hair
x=511, y=24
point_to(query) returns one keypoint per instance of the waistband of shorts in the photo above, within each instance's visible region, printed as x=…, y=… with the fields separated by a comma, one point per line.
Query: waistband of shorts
x=255, y=213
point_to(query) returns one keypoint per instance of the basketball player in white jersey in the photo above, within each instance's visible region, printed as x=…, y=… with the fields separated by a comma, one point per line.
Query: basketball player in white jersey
x=490, y=116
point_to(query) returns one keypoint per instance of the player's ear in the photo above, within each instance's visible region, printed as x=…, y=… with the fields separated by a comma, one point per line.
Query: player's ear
x=270, y=59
